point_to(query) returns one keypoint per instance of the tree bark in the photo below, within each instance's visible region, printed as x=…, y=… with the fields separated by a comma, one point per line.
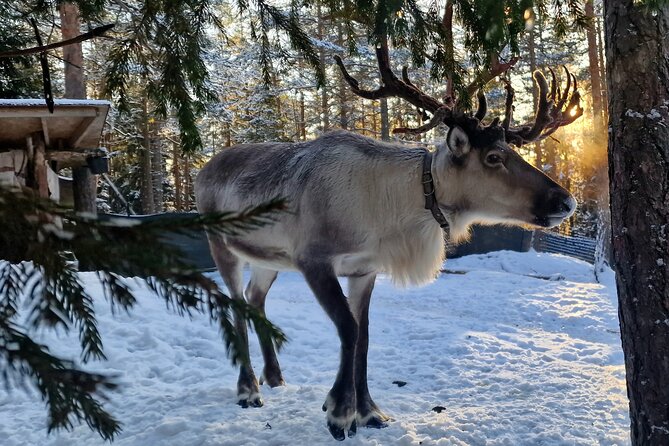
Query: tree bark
x=602, y=69
x=532, y=53
x=84, y=183
x=187, y=183
x=637, y=45
x=303, y=123
x=157, y=169
x=343, y=86
x=146, y=196
x=447, y=24
x=325, y=110
x=385, y=122
x=176, y=172
x=593, y=65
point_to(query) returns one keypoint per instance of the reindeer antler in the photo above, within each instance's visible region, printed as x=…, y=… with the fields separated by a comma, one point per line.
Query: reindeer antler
x=551, y=111
x=391, y=86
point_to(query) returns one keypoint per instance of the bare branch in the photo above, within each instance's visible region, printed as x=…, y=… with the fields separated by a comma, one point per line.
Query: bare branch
x=497, y=68
x=96, y=32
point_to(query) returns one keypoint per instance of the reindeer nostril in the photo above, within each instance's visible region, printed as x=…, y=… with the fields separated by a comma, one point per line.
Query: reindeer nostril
x=569, y=205
x=560, y=201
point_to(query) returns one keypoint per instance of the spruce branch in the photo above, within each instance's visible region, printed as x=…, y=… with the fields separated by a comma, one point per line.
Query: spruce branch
x=37, y=243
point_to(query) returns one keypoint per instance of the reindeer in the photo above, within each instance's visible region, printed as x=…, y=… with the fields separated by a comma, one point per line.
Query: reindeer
x=360, y=207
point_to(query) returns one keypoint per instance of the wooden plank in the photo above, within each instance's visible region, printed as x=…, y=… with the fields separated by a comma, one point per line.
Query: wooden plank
x=45, y=131
x=40, y=166
x=81, y=131
x=66, y=158
x=34, y=112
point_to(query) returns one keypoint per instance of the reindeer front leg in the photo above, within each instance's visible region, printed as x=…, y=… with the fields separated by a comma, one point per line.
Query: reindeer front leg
x=340, y=403
x=359, y=295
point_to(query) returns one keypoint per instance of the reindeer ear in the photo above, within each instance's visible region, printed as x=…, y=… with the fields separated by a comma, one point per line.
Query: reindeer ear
x=458, y=141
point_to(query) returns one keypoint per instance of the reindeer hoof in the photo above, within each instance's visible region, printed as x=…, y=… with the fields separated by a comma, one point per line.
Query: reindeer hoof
x=337, y=432
x=376, y=423
x=353, y=429
x=272, y=380
x=253, y=400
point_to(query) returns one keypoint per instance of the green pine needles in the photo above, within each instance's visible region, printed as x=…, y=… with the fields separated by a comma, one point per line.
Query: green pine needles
x=40, y=287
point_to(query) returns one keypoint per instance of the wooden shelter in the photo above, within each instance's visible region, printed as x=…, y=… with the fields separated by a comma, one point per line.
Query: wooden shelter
x=35, y=144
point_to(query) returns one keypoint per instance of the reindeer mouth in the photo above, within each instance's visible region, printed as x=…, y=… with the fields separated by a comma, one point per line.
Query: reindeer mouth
x=561, y=211
x=552, y=220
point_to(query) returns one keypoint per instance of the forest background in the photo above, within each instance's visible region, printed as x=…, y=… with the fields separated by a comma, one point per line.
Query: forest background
x=253, y=88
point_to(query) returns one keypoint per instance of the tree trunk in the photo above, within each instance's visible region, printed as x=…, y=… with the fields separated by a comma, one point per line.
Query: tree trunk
x=176, y=172
x=637, y=44
x=531, y=49
x=303, y=122
x=447, y=24
x=187, y=183
x=374, y=123
x=146, y=196
x=84, y=183
x=73, y=56
x=385, y=124
x=228, y=135
x=532, y=53
x=343, y=86
x=593, y=66
x=602, y=69
x=325, y=110
x=157, y=169
x=363, y=120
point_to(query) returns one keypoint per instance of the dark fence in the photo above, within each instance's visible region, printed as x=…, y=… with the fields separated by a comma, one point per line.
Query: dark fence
x=484, y=239
x=580, y=247
x=194, y=246
x=493, y=238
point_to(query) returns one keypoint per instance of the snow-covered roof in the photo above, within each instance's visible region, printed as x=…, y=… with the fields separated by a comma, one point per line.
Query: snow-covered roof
x=57, y=102
x=75, y=124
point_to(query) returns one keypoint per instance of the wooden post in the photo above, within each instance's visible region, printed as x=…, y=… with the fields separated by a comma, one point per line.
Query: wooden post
x=36, y=176
x=40, y=166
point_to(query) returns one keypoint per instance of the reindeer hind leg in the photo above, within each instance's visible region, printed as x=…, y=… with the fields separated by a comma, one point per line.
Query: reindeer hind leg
x=359, y=295
x=230, y=267
x=256, y=293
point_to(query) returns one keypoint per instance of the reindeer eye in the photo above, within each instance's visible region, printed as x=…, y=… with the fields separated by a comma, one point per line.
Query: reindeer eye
x=493, y=159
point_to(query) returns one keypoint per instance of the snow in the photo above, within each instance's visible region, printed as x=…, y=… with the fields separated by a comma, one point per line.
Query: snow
x=654, y=114
x=633, y=114
x=512, y=359
x=41, y=102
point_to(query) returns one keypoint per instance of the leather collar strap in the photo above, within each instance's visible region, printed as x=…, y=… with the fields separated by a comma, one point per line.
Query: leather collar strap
x=428, y=191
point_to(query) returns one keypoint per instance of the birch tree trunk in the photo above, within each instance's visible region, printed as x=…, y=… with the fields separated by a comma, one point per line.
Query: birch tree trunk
x=637, y=45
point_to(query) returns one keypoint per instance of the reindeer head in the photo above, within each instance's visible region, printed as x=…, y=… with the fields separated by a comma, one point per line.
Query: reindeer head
x=480, y=179
x=478, y=176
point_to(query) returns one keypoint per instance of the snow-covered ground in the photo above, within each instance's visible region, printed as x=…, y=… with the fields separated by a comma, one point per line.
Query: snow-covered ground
x=513, y=360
